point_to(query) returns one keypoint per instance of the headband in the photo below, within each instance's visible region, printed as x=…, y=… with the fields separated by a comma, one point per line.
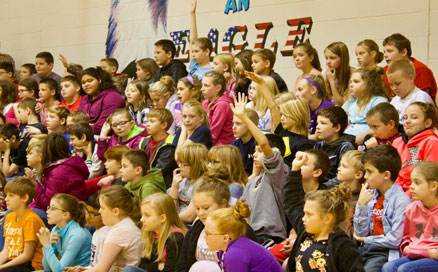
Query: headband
x=314, y=85
x=190, y=78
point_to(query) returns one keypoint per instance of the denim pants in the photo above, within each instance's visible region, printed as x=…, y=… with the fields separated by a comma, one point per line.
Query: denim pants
x=405, y=264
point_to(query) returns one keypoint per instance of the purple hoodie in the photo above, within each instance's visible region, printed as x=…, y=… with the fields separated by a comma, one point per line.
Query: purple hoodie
x=63, y=176
x=101, y=107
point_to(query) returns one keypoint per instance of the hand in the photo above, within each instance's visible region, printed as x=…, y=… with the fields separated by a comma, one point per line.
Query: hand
x=106, y=180
x=194, y=4
x=89, y=150
x=5, y=144
x=300, y=159
x=239, y=105
x=29, y=173
x=405, y=249
x=38, y=108
x=330, y=74
x=372, y=142
x=358, y=238
x=160, y=266
x=30, y=130
x=177, y=178
x=75, y=269
x=365, y=195
x=63, y=60
x=55, y=237
x=44, y=236
x=254, y=77
x=433, y=254
x=106, y=128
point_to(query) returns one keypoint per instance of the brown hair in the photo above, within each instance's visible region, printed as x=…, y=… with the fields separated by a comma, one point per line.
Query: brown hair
x=266, y=55
x=217, y=80
x=428, y=169
x=117, y=196
x=386, y=112
x=138, y=158
x=400, y=42
x=215, y=183
x=374, y=86
x=148, y=65
x=372, y=46
x=322, y=162
x=406, y=67
x=162, y=115
x=8, y=93
x=82, y=128
x=60, y=111
x=72, y=205
x=196, y=86
x=31, y=85
x=55, y=148
x=194, y=155
x=78, y=116
x=28, y=103
x=21, y=186
x=384, y=158
x=231, y=158
x=311, y=52
x=343, y=72
x=115, y=152
x=204, y=44
x=143, y=87
x=429, y=112
x=232, y=221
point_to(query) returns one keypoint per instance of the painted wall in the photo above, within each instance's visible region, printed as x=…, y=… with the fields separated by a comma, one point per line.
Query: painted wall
x=79, y=29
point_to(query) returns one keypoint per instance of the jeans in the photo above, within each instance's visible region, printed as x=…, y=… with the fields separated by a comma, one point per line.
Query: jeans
x=131, y=268
x=374, y=257
x=405, y=264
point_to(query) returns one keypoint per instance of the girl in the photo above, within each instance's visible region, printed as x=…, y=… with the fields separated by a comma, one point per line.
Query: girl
x=138, y=101
x=189, y=88
x=225, y=231
x=229, y=157
x=223, y=63
x=311, y=88
x=163, y=96
x=28, y=88
x=71, y=93
x=338, y=71
x=62, y=173
x=146, y=70
x=306, y=59
x=320, y=244
x=419, y=121
x=217, y=105
x=125, y=132
x=195, y=128
x=366, y=90
x=101, y=98
x=8, y=96
x=68, y=238
x=420, y=251
x=368, y=54
x=192, y=163
x=27, y=70
x=242, y=63
x=162, y=233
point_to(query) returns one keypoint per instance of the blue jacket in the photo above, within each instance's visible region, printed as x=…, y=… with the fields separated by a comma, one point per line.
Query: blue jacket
x=74, y=247
x=393, y=219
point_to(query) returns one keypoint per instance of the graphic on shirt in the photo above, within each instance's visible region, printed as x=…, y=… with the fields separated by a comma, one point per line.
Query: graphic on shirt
x=413, y=151
x=421, y=231
x=14, y=240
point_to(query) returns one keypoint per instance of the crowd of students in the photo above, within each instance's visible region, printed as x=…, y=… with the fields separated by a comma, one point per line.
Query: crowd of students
x=221, y=167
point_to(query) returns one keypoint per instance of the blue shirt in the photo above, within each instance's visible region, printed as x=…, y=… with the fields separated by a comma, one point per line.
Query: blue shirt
x=198, y=71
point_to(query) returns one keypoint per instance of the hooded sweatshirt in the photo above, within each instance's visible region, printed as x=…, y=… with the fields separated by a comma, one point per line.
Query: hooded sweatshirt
x=152, y=182
x=220, y=117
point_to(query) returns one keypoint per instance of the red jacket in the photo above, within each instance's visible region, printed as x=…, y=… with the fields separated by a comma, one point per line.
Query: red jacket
x=421, y=147
x=421, y=230
x=220, y=117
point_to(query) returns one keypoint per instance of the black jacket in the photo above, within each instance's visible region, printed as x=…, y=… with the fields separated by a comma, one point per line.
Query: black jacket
x=175, y=69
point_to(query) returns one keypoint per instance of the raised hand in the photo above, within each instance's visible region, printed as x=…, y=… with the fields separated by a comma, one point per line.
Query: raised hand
x=63, y=60
x=300, y=159
x=194, y=4
x=239, y=105
x=254, y=77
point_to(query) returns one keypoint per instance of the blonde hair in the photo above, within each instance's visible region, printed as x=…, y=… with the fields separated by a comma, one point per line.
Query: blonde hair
x=60, y=111
x=194, y=155
x=227, y=59
x=284, y=97
x=36, y=142
x=121, y=111
x=262, y=105
x=354, y=157
x=165, y=86
x=161, y=204
x=299, y=111
x=231, y=158
x=199, y=109
x=232, y=221
x=406, y=67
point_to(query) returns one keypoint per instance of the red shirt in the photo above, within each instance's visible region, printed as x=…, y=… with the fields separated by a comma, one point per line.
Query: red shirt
x=377, y=216
x=72, y=107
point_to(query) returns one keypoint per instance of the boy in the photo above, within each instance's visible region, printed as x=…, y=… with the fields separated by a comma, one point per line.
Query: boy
x=331, y=123
x=158, y=145
x=22, y=251
x=13, y=148
x=57, y=121
x=82, y=141
x=77, y=116
x=164, y=53
x=48, y=97
x=6, y=71
x=380, y=210
x=263, y=62
x=244, y=140
x=137, y=176
x=398, y=46
x=401, y=76
x=111, y=65
x=44, y=66
x=28, y=119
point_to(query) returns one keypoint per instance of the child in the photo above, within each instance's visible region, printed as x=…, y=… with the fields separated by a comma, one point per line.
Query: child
x=223, y=63
x=331, y=123
x=7, y=71
x=200, y=48
x=189, y=88
x=13, y=148
x=8, y=97
x=21, y=251
x=77, y=116
x=366, y=90
x=34, y=156
x=242, y=63
x=71, y=93
x=263, y=61
x=146, y=70
x=419, y=248
x=158, y=145
x=62, y=173
x=244, y=140
x=306, y=59
x=225, y=231
x=138, y=101
x=216, y=104
x=82, y=141
x=419, y=143
x=337, y=72
x=27, y=70
x=111, y=65
x=48, y=96
x=266, y=181
x=368, y=54
x=57, y=120
x=28, y=119
x=380, y=209
x=401, y=75
x=28, y=88
x=162, y=234
x=163, y=96
x=164, y=53
x=68, y=238
x=397, y=46
x=44, y=65
x=138, y=178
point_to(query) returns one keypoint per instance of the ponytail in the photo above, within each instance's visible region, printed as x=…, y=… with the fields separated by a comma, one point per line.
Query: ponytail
x=72, y=205
x=119, y=197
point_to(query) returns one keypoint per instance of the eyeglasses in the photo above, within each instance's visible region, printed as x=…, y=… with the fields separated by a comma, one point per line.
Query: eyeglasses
x=53, y=208
x=92, y=214
x=120, y=124
x=182, y=164
x=207, y=233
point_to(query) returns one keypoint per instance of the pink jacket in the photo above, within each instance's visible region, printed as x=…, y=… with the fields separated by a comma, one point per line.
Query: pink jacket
x=220, y=117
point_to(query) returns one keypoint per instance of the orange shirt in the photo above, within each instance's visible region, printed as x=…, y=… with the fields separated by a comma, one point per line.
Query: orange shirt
x=377, y=216
x=72, y=107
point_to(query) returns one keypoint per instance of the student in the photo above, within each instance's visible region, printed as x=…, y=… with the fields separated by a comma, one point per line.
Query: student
x=163, y=96
x=401, y=75
x=13, y=150
x=77, y=116
x=82, y=141
x=44, y=65
x=200, y=48
x=337, y=72
x=419, y=121
x=331, y=123
x=7, y=71
x=125, y=132
x=266, y=182
x=242, y=63
x=111, y=65
x=28, y=118
x=8, y=97
x=138, y=177
x=146, y=70
x=244, y=140
x=263, y=61
x=164, y=54
x=189, y=88
x=68, y=238
x=71, y=93
x=366, y=90
x=158, y=145
x=382, y=202
x=48, y=96
x=101, y=98
x=27, y=70
x=306, y=59
x=21, y=251
x=419, y=248
x=138, y=101
x=62, y=173
x=397, y=46
x=311, y=88
x=368, y=54
x=223, y=63
x=162, y=232
x=217, y=105
x=57, y=120
x=34, y=156
x=28, y=88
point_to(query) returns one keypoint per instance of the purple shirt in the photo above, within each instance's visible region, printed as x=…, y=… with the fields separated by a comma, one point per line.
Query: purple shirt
x=313, y=116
